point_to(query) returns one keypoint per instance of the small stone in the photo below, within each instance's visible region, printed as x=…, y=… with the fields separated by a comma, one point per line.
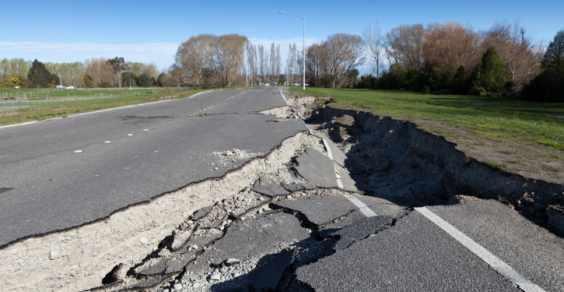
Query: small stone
x=215, y=276
x=232, y=261
x=177, y=286
x=55, y=252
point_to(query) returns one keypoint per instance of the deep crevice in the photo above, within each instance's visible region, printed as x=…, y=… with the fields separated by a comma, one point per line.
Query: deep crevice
x=399, y=162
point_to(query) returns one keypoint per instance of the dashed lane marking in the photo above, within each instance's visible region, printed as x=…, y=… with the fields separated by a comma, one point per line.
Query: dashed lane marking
x=496, y=263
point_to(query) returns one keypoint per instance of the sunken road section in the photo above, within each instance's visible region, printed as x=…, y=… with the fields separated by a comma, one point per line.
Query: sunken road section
x=397, y=161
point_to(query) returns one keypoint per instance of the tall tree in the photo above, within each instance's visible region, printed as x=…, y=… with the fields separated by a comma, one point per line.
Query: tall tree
x=100, y=72
x=344, y=52
x=554, y=56
x=231, y=57
x=252, y=68
x=316, y=65
x=39, y=76
x=521, y=57
x=374, y=45
x=491, y=75
x=404, y=46
x=262, y=63
x=118, y=66
x=449, y=46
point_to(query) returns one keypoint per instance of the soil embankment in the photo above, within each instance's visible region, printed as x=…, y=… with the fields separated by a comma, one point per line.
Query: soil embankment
x=409, y=166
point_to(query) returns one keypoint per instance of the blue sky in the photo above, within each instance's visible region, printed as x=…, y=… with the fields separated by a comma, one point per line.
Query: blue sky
x=142, y=30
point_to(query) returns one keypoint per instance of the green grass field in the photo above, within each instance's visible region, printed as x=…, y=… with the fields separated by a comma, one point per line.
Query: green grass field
x=24, y=104
x=494, y=118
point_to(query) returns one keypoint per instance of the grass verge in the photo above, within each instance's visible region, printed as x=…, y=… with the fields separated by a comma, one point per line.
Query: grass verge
x=21, y=105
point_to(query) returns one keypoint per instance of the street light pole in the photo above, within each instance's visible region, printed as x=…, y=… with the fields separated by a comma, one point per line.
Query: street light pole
x=303, y=54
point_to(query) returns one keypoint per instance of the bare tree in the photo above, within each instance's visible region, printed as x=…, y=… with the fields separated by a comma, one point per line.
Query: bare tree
x=231, y=54
x=516, y=50
x=262, y=59
x=404, y=46
x=209, y=60
x=292, y=65
x=316, y=65
x=344, y=53
x=374, y=45
x=450, y=46
x=252, y=68
x=100, y=72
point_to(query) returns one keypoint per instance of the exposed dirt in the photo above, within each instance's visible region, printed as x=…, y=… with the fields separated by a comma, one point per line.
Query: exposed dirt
x=409, y=166
x=80, y=258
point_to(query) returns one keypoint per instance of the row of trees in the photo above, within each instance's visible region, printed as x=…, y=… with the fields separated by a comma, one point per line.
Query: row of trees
x=263, y=66
x=451, y=58
x=114, y=72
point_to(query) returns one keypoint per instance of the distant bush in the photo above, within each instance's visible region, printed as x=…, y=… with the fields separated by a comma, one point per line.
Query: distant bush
x=491, y=77
x=549, y=85
x=39, y=76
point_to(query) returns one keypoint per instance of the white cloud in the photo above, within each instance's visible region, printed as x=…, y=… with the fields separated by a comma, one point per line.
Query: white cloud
x=160, y=54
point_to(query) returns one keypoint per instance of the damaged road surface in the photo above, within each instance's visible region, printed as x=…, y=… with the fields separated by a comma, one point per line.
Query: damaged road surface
x=231, y=191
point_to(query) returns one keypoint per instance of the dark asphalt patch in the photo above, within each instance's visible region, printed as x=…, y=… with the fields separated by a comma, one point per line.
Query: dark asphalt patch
x=3, y=189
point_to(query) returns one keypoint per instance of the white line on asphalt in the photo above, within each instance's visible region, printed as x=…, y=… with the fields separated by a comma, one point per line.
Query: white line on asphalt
x=78, y=151
x=363, y=208
x=130, y=134
x=17, y=125
x=496, y=263
x=283, y=96
x=492, y=260
x=107, y=142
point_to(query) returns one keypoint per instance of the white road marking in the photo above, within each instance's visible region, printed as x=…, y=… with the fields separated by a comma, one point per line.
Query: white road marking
x=283, y=96
x=496, y=263
x=107, y=142
x=130, y=134
x=145, y=130
x=492, y=260
x=18, y=125
x=362, y=207
x=78, y=151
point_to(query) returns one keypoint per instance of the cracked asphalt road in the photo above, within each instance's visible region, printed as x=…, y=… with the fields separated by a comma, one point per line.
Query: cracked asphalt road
x=63, y=173
x=271, y=235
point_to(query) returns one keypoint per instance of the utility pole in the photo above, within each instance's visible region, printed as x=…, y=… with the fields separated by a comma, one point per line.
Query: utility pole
x=303, y=53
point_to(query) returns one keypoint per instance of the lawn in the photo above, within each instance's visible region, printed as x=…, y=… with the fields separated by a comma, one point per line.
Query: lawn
x=24, y=104
x=496, y=118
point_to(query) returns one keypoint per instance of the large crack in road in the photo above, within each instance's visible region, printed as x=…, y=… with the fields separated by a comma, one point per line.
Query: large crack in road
x=286, y=220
